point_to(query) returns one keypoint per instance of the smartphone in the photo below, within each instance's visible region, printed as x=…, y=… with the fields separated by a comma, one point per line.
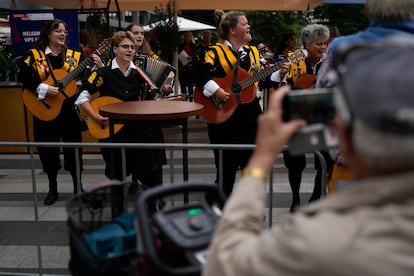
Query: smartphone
x=312, y=105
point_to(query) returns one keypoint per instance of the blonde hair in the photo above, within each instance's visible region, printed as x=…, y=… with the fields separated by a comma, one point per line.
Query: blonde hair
x=121, y=35
x=225, y=21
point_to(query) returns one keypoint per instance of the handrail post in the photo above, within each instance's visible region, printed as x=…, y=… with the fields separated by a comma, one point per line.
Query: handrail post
x=324, y=171
x=36, y=211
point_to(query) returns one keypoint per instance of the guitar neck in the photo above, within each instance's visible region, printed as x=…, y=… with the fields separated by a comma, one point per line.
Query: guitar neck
x=77, y=71
x=88, y=61
x=262, y=74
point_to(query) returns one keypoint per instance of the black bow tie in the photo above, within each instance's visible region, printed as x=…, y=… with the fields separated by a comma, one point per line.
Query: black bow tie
x=242, y=55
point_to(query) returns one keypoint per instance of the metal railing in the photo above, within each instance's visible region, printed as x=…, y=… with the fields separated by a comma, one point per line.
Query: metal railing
x=169, y=147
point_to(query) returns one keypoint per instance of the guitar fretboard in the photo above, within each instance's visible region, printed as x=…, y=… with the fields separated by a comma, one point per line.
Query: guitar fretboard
x=76, y=72
x=86, y=62
x=269, y=70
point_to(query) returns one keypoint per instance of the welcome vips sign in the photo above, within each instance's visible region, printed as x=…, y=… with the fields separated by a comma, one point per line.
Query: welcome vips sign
x=26, y=26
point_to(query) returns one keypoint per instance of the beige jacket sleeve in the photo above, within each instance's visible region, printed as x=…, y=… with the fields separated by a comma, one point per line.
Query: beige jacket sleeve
x=239, y=227
x=352, y=232
x=242, y=246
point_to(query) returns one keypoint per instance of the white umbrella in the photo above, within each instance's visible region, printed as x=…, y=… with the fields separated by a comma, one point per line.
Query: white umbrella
x=184, y=24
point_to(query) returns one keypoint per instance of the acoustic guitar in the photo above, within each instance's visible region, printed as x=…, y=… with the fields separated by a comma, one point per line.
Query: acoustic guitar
x=305, y=81
x=243, y=92
x=49, y=108
x=96, y=129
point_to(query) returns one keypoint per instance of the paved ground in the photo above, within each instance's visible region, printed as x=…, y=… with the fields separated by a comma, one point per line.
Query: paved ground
x=20, y=233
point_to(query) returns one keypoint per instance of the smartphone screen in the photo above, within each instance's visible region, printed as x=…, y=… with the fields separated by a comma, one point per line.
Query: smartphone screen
x=312, y=105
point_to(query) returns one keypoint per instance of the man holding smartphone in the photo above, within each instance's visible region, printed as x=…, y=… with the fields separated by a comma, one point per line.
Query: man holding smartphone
x=364, y=229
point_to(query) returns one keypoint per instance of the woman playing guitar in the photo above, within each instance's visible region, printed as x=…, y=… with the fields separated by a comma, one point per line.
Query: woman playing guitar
x=302, y=75
x=221, y=62
x=46, y=61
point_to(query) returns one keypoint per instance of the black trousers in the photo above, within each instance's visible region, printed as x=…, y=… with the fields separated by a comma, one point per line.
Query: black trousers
x=143, y=164
x=296, y=165
x=240, y=129
x=65, y=128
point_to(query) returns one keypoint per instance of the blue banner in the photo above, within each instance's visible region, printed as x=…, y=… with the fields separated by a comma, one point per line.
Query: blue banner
x=26, y=26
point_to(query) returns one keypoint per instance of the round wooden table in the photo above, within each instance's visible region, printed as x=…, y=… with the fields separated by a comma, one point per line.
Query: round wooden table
x=163, y=111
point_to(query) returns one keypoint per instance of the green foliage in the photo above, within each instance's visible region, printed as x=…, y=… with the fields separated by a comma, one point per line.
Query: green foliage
x=266, y=26
x=270, y=27
x=349, y=19
x=8, y=65
x=166, y=31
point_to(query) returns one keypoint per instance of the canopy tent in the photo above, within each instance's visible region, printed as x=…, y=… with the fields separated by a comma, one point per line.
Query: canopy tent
x=344, y=1
x=140, y=5
x=184, y=24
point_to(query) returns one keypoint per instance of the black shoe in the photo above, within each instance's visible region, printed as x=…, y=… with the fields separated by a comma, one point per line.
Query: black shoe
x=136, y=187
x=75, y=190
x=133, y=188
x=156, y=205
x=295, y=206
x=88, y=199
x=51, y=198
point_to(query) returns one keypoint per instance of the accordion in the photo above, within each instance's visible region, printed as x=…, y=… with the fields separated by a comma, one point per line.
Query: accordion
x=159, y=71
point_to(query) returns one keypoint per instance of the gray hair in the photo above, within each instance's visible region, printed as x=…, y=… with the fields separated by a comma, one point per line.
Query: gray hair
x=311, y=32
x=389, y=10
x=383, y=151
